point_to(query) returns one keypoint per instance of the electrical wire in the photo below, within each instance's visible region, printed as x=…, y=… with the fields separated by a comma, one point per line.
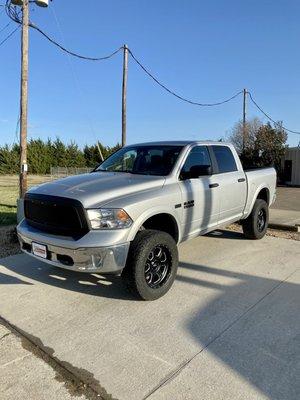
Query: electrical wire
x=270, y=118
x=71, y=52
x=15, y=15
x=177, y=95
x=73, y=72
x=6, y=26
x=7, y=37
x=17, y=128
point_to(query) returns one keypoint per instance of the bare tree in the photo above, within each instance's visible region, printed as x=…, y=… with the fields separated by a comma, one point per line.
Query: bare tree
x=236, y=137
x=264, y=144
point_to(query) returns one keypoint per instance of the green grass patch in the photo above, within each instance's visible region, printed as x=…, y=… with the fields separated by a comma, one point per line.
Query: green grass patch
x=8, y=215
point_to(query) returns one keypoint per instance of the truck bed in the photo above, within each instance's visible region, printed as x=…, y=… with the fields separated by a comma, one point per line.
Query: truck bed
x=258, y=178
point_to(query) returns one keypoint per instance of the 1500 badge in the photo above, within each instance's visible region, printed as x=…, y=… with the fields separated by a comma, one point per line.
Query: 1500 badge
x=188, y=204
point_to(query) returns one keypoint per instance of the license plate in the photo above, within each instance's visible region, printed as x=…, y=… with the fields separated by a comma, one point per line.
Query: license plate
x=39, y=250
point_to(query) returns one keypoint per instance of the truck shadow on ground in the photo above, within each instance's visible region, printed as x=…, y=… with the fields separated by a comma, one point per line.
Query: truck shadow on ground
x=11, y=280
x=110, y=286
x=251, y=326
x=225, y=234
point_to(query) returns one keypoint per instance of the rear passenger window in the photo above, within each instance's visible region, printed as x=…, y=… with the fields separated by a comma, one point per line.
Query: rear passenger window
x=225, y=159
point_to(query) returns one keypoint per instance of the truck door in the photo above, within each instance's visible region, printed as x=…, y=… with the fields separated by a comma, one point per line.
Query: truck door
x=232, y=184
x=200, y=196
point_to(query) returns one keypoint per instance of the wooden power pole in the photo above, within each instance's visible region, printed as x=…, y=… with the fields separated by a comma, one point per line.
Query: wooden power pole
x=244, y=118
x=24, y=100
x=124, y=93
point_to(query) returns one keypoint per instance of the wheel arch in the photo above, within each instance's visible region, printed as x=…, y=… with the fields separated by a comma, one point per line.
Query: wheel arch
x=161, y=220
x=262, y=192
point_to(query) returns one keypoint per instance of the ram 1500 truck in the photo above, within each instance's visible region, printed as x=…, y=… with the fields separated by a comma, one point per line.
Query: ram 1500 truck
x=129, y=214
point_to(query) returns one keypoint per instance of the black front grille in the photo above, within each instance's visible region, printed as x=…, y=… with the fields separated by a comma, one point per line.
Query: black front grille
x=57, y=215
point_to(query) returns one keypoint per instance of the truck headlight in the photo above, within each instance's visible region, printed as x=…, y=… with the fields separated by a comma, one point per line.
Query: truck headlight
x=109, y=218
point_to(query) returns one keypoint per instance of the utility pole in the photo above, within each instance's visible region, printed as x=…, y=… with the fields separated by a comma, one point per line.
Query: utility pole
x=244, y=118
x=24, y=4
x=24, y=99
x=124, y=93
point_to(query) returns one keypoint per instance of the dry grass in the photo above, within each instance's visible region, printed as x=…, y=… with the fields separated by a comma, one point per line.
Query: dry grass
x=9, y=187
x=9, y=192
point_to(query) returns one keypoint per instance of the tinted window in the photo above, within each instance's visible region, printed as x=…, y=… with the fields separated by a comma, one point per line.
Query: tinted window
x=145, y=160
x=225, y=159
x=198, y=156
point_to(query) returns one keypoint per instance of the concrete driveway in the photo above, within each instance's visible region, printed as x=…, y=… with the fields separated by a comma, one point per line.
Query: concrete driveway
x=286, y=209
x=228, y=329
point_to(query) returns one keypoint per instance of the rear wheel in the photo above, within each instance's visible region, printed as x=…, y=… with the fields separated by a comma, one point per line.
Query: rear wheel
x=151, y=265
x=256, y=224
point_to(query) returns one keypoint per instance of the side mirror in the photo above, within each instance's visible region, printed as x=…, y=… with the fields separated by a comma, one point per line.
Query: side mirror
x=196, y=171
x=199, y=170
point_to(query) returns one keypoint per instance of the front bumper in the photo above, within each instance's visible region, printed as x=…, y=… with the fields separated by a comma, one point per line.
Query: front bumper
x=108, y=259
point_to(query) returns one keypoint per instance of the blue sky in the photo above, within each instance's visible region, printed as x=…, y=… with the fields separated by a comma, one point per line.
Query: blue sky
x=205, y=51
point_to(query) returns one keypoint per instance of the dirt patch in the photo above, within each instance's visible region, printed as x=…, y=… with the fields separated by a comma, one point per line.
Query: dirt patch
x=77, y=380
x=270, y=232
x=9, y=244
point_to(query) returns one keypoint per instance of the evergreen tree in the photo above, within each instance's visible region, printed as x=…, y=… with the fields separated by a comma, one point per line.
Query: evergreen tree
x=42, y=155
x=9, y=159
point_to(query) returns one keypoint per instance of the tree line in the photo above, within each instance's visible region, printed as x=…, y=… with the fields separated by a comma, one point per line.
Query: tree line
x=42, y=155
x=260, y=145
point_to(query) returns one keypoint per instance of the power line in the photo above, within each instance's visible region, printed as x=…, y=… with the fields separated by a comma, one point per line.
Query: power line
x=7, y=37
x=268, y=116
x=14, y=14
x=72, y=70
x=17, y=128
x=177, y=95
x=71, y=52
x=7, y=25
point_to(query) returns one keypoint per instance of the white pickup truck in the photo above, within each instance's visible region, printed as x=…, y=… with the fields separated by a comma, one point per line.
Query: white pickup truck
x=129, y=214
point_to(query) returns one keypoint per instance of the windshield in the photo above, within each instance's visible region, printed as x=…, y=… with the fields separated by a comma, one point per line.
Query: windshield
x=145, y=160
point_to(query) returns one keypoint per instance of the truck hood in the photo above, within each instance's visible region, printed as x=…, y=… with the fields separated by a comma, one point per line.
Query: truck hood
x=98, y=188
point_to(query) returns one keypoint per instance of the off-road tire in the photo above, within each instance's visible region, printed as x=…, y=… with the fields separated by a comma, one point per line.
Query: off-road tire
x=134, y=274
x=252, y=227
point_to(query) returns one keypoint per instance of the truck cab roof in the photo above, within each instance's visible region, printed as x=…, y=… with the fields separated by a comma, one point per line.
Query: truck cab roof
x=181, y=143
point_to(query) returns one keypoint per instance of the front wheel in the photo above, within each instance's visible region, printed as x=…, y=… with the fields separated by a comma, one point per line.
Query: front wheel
x=256, y=224
x=152, y=264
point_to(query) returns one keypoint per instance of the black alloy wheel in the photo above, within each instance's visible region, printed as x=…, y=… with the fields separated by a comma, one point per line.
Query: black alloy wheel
x=261, y=220
x=158, y=266
x=151, y=265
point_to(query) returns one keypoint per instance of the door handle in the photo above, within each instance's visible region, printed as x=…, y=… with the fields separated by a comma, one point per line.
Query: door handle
x=241, y=180
x=213, y=185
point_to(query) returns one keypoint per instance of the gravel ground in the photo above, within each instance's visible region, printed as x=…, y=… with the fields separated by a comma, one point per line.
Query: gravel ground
x=9, y=244
x=270, y=232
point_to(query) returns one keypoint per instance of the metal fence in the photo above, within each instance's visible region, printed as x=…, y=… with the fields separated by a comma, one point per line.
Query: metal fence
x=61, y=172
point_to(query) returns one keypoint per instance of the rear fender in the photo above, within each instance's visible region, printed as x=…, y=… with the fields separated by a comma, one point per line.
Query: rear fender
x=249, y=205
